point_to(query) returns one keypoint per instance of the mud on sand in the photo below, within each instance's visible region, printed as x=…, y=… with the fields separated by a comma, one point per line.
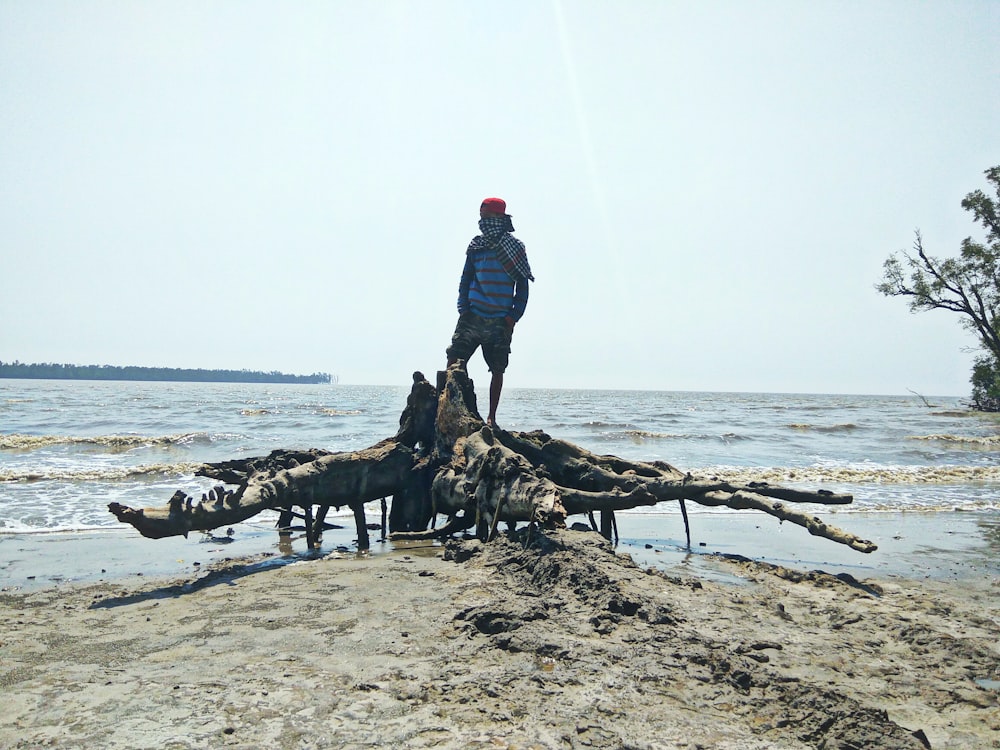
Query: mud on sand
x=557, y=643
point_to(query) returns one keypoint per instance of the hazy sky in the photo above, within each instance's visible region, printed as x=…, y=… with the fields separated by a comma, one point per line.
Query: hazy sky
x=707, y=190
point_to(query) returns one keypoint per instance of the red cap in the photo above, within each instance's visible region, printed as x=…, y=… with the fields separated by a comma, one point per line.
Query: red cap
x=493, y=207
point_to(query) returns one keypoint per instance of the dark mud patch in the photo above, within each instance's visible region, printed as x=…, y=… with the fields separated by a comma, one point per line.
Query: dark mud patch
x=567, y=597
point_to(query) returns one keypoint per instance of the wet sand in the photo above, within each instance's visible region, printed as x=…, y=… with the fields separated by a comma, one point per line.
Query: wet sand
x=562, y=642
x=944, y=545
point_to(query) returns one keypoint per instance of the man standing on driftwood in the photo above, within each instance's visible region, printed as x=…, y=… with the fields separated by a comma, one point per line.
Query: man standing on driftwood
x=492, y=295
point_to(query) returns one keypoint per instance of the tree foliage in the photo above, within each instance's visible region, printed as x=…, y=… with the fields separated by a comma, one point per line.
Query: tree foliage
x=986, y=384
x=968, y=285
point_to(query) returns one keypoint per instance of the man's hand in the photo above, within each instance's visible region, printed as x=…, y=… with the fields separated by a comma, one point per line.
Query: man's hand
x=510, y=322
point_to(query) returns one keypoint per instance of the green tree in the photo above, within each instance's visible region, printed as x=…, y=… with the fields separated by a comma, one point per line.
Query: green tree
x=968, y=285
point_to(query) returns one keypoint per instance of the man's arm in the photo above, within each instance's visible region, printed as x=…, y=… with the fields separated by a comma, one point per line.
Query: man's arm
x=520, y=299
x=463, y=286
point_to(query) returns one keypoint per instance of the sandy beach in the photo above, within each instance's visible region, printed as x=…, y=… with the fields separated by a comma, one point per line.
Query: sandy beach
x=558, y=641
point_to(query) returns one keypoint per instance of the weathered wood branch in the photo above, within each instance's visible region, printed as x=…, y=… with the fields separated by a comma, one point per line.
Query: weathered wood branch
x=335, y=479
x=240, y=470
x=572, y=466
x=445, y=460
x=815, y=526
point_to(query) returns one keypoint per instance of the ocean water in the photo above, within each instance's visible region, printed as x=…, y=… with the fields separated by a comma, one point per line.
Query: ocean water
x=68, y=448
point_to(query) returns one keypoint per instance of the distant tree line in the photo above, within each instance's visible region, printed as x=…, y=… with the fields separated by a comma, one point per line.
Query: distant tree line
x=49, y=371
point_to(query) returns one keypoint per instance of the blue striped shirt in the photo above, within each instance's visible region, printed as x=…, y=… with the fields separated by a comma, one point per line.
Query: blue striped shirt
x=488, y=290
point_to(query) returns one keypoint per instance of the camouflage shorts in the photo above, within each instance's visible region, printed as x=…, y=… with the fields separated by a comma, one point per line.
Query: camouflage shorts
x=493, y=334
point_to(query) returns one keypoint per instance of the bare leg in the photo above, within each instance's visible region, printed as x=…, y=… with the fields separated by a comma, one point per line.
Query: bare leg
x=496, y=386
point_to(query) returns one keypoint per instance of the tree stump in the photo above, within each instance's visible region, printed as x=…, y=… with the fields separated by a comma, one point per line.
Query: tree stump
x=445, y=460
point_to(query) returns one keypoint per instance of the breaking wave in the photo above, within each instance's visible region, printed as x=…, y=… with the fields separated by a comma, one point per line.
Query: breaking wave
x=649, y=435
x=732, y=474
x=987, y=440
x=858, y=475
x=643, y=435
x=16, y=442
x=824, y=428
x=101, y=474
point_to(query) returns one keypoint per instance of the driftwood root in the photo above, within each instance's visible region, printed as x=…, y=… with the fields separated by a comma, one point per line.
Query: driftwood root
x=445, y=460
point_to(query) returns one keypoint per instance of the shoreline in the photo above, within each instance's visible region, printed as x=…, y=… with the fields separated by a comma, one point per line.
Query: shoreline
x=943, y=545
x=557, y=643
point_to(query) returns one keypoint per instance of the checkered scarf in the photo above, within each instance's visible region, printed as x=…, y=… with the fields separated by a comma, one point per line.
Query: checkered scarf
x=510, y=250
